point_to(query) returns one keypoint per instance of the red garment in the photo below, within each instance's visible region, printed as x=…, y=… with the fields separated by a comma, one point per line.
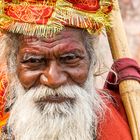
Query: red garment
x=115, y=126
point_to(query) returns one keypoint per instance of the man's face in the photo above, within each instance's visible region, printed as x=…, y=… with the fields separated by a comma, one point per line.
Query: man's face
x=53, y=62
x=55, y=91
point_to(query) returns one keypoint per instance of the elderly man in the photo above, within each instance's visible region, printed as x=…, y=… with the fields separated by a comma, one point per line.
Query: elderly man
x=53, y=87
x=51, y=93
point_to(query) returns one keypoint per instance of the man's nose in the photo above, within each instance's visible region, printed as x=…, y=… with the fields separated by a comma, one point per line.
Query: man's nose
x=53, y=76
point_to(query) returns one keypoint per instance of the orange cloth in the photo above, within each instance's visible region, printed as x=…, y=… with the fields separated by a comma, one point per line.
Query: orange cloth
x=3, y=84
x=115, y=124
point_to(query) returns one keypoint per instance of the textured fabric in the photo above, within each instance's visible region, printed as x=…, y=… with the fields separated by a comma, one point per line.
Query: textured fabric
x=126, y=69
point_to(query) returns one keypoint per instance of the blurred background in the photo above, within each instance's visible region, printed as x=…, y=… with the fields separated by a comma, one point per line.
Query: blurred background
x=130, y=10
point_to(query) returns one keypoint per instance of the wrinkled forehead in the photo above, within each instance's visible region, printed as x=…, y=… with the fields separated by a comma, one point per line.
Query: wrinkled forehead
x=67, y=33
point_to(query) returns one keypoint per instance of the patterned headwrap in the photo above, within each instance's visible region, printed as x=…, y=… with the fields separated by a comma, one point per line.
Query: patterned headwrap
x=48, y=17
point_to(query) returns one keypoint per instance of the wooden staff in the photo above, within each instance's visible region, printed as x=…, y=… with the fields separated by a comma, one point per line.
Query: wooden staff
x=129, y=89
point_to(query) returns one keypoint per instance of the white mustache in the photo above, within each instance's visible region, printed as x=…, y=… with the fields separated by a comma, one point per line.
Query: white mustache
x=67, y=91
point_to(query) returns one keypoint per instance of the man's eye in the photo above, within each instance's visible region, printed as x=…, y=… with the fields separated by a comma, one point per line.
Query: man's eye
x=69, y=58
x=34, y=60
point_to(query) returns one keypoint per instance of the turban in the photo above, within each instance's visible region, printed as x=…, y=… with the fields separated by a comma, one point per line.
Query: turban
x=46, y=18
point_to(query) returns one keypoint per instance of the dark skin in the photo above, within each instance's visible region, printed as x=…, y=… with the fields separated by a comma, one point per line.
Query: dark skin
x=53, y=62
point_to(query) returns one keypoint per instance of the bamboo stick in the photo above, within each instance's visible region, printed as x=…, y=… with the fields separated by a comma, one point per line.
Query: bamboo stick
x=129, y=89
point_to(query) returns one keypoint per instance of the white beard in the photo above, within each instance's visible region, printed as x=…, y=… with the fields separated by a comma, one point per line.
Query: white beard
x=56, y=121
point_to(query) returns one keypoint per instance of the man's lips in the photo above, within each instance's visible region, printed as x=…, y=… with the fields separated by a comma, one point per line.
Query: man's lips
x=54, y=99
